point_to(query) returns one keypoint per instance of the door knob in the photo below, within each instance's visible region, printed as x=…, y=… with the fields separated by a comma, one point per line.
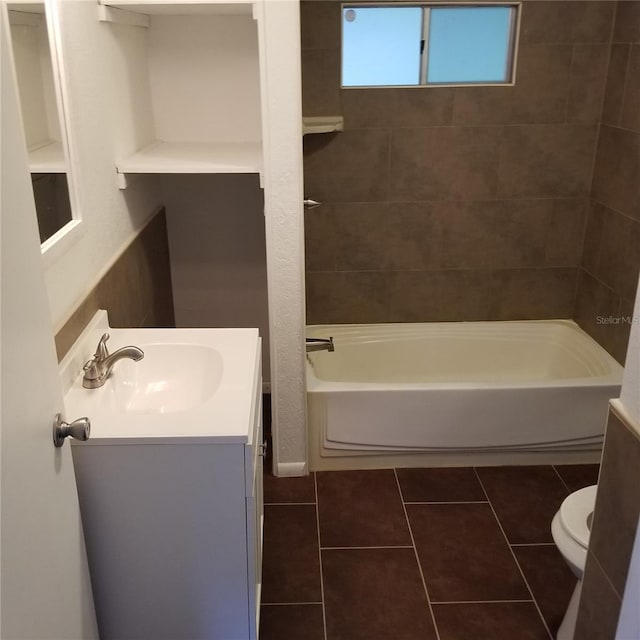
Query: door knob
x=78, y=429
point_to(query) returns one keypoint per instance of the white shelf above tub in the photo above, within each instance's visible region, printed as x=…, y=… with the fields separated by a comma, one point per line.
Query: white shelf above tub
x=47, y=158
x=322, y=124
x=183, y=7
x=193, y=157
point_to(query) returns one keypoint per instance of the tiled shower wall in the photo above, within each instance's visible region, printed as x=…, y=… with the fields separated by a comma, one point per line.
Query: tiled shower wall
x=611, y=258
x=454, y=203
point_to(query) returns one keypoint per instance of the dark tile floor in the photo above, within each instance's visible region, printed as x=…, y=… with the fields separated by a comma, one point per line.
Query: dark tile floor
x=408, y=554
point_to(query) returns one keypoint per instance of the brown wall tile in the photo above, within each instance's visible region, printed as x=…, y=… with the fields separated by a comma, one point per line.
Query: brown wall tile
x=136, y=291
x=588, y=78
x=321, y=82
x=593, y=236
x=492, y=234
x=423, y=108
x=557, y=21
x=368, y=108
x=535, y=294
x=595, y=301
x=346, y=297
x=627, y=24
x=619, y=262
x=616, y=78
x=438, y=296
x=444, y=163
x=546, y=160
x=631, y=106
x=352, y=166
x=599, y=606
x=565, y=232
x=618, y=502
x=385, y=237
x=320, y=24
x=320, y=241
x=617, y=170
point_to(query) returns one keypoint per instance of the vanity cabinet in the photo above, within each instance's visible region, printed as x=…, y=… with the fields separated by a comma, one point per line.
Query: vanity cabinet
x=173, y=527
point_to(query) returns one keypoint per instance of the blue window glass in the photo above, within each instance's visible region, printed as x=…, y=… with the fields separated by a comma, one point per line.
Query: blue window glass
x=469, y=44
x=381, y=46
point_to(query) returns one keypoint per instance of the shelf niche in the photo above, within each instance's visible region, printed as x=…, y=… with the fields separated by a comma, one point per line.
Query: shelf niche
x=191, y=84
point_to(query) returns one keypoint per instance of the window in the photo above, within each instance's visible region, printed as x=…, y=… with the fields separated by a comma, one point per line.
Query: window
x=415, y=45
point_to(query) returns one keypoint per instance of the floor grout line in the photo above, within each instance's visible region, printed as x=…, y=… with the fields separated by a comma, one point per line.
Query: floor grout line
x=495, y=515
x=288, y=504
x=533, y=544
x=566, y=486
x=448, y=502
x=415, y=551
x=481, y=601
x=324, y=614
x=389, y=546
x=286, y=604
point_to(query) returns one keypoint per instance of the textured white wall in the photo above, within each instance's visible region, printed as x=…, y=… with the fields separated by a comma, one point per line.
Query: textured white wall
x=283, y=189
x=91, y=62
x=630, y=394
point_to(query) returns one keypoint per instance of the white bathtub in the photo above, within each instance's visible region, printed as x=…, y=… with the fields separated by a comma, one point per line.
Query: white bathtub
x=459, y=386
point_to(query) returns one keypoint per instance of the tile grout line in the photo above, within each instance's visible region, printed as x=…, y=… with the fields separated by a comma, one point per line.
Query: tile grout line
x=324, y=615
x=415, y=551
x=533, y=544
x=391, y=546
x=566, y=486
x=513, y=555
x=288, y=504
x=287, y=604
x=447, y=502
x=481, y=601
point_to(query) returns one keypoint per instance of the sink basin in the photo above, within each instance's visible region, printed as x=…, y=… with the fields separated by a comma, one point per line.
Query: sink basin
x=170, y=378
x=191, y=383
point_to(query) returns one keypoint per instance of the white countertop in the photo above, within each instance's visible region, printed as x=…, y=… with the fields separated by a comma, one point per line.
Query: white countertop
x=224, y=417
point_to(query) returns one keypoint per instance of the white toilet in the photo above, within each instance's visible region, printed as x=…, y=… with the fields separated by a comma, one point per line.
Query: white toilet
x=570, y=528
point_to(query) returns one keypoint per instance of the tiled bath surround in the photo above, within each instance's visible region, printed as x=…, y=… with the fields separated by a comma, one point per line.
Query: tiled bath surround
x=447, y=204
x=611, y=257
x=136, y=290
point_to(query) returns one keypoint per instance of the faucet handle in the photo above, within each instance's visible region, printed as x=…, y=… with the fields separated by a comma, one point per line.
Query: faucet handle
x=90, y=364
x=102, y=352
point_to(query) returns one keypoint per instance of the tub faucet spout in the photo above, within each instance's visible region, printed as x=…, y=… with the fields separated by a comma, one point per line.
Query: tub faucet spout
x=320, y=344
x=98, y=368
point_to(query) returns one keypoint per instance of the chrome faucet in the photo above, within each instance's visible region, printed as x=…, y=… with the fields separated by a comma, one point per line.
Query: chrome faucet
x=98, y=368
x=320, y=344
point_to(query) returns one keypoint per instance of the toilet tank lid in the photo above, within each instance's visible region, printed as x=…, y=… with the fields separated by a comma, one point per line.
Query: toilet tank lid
x=576, y=514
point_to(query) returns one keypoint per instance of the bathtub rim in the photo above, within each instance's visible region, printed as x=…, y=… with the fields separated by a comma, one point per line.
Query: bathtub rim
x=321, y=385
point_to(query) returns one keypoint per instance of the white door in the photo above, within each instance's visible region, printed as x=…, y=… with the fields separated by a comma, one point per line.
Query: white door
x=45, y=588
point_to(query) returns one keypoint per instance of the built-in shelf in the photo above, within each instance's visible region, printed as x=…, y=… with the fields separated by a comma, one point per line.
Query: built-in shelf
x=48, y=158
x=183, y=7
x=322, y=124
x=194, y=157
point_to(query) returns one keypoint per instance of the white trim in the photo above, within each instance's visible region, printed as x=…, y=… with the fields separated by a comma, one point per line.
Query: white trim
x=121, y=16
x=59, y=243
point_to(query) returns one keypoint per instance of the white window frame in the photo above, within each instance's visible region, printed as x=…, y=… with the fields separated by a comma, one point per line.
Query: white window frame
x=512, y=58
